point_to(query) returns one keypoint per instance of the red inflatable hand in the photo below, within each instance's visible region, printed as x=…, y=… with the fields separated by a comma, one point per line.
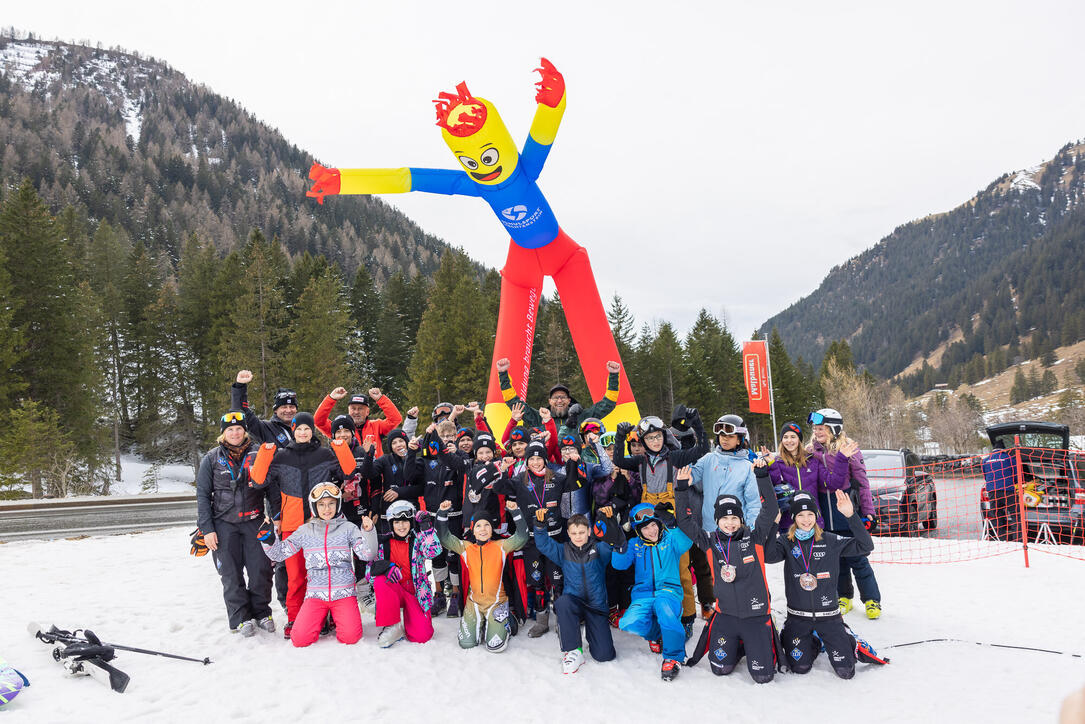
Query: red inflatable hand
x=551, y=85
x=325, y=182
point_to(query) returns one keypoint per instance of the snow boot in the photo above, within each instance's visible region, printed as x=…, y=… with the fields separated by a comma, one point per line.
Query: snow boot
x=687, y=624
x=656, y=646
x=455, y=608
x=440, y=603
x=329, y=625
x=615, y=616
x=367, y=601
x=245, y=628
x=670, y=669
x=845, y=605
x=873, y=609
x=542, y=624
x=390, y=634
x=571, y=661
x=287, y=629
x=266, y=624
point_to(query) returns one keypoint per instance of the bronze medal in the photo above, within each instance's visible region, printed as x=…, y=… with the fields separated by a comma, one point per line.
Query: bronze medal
x=808, y=582
x=728, y=573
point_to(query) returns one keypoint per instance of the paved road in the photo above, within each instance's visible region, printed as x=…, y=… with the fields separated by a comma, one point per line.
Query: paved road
x=20, y=520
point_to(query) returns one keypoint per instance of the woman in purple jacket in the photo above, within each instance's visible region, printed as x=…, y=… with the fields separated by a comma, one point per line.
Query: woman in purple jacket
x=793, y=466
x=846, y=471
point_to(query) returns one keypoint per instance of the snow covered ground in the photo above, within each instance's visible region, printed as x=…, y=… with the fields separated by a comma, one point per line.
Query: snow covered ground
x=144, y=590
x=171, y=478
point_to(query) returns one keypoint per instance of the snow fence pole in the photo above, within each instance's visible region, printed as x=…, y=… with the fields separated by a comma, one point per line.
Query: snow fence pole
x=1021, y=497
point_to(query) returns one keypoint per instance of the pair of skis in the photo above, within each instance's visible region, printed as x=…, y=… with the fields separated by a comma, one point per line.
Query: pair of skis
x=81, y=653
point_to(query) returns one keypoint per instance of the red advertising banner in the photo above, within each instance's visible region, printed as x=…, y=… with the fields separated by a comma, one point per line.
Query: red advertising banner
x=755, y=357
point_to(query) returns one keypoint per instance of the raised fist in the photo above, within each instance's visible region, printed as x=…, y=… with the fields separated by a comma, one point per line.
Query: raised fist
x=244, y=377
x=550, y=87
x=445, y=505
x=338, y=393
x=623, y=429
x=457, y=410
x=613, y=367
x=544, y=413
x=375, y=393
x=325, y=182
x=503, y=364
x=413, y=412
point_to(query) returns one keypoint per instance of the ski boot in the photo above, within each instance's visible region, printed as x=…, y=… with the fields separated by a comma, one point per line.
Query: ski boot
x=571, y=661
x=615, y=616
x=440, y=603
x=687, y=624
x=367, y=600
x=266, y=624
x=670, y=669
x=873, y=609
x=542, y=624
x=390, y=634
x=287, y=629
x=656, y=646
x=845, y=605
x=245, y=628
x=329, y=625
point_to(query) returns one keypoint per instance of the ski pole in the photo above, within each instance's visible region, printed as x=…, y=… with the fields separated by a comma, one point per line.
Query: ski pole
x=984, y=643
x=54, y=634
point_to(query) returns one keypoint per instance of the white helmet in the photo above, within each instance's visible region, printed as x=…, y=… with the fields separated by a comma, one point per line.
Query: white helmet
x=828, y=417
x=400, y=510
x=325, y=490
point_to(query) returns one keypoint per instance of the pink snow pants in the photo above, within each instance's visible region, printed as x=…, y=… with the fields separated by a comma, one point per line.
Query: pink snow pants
x=348, y=622
x=391, y=597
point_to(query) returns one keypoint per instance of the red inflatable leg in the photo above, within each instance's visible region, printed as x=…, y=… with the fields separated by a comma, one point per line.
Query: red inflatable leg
x=591, y=333
x=521, y=288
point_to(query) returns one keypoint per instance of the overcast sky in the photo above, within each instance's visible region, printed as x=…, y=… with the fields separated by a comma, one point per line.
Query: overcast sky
x=716, y=154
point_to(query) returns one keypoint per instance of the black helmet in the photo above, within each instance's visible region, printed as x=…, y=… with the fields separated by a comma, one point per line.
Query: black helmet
x=731, y=425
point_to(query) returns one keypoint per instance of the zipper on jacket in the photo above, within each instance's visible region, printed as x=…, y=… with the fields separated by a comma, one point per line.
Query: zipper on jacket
x=328, y=561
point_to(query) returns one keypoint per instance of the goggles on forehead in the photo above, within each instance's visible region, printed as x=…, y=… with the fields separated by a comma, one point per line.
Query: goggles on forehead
x=234, y=418
x=650, y=423
x=644, y=515
x=324, y=490
x=816, y=418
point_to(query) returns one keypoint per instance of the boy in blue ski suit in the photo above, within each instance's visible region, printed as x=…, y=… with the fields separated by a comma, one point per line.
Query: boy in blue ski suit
x=656, y=609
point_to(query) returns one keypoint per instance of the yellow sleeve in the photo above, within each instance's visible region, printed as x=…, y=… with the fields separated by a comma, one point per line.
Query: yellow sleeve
x=544, y=127
x=374, y=180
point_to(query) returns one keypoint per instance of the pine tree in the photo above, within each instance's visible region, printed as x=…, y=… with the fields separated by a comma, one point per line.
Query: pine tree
x=33, y=448
x=11, y=340
x=199, y=303
x=316, y=356
x=1019, y=392
x=144, y=385
x=622, y=326
x=365, y=311
x=713, y=376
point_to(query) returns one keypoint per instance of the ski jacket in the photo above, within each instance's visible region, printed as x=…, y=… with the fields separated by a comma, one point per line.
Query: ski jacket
x=844, y=474
x=655, y=565
x=823, y=559
x=656, y=471
x=328, y=547
x=377, y=428
x=478, y=496
x=391, y=472
x=747, y=595
x=809, y=478
x=583, y=569
x=485, y=563
x=294, y=470
x=723, y=472
x=223, y=491
x=271, y=430
x=424, y=546
x=569, y=422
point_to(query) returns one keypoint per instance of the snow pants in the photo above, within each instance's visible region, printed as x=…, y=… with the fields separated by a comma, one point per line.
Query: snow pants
x=864, y=576
x=571, y=610
x=238, y=554
x=540, y=571
x=658, y=617
x=484, y=626
x=731, y=637
x=393, y=598
x=296, y=580
x=800, y=639
x=348, y=622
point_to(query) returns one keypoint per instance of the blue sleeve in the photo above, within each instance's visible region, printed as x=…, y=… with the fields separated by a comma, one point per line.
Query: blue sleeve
x=533, y=157
x=548, y=547
x=752, y=502
x=621, y=560
x=682, y=542
x=604, y=551
x=442, y=181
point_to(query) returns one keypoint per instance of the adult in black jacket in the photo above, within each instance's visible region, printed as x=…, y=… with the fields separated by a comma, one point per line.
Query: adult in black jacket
x=278, y=428
x=811, y=567
x=741, y=613
x=229, y=514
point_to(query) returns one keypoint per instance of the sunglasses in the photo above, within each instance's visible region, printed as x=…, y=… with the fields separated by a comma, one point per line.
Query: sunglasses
x=231, y=418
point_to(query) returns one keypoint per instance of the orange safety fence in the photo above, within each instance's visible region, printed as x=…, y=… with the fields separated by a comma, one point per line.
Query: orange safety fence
x=973, y=507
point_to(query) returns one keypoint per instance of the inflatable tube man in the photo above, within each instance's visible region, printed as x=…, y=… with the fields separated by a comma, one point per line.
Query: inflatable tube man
x=493, y=169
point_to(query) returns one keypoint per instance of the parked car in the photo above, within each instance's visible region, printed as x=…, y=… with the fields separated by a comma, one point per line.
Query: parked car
x=905, y=498
x=1052, y=486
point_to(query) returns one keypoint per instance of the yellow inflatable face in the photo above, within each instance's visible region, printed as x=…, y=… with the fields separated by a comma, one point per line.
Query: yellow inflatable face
x=489, y=155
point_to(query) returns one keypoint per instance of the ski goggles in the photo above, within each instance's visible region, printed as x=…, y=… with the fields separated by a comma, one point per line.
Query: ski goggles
x=324, y=490
x=590, y=427
x=651, y=423
x=816, y=418
x=644, y=515
x=607, y=439
x=233, y=418
x=727, y=428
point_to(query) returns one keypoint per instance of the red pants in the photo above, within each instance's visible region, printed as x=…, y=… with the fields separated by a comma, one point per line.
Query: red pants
x=391, y=597
x=295, y=583
x=348, y=622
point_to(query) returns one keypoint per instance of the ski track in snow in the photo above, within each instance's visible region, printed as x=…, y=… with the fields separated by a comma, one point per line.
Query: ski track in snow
x=144, y=590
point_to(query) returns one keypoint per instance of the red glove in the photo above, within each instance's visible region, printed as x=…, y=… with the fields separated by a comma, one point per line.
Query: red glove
x=394, y=574
x=551, y=85
x=325, y=182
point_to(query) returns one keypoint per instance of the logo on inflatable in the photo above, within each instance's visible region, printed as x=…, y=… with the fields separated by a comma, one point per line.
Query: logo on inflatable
x=515, y=213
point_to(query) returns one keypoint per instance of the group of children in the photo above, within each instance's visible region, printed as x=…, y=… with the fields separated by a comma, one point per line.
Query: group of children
x=600, y=528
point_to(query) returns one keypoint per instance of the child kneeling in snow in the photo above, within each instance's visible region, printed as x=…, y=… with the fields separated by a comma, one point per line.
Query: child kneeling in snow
x=583, y=562
x=326, y=542
x=811, y=567
x=486, y=609
x=399, y=575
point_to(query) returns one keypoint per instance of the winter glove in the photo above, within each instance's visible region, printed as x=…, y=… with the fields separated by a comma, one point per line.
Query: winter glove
x=424, y=519
x=380, y=568
x=199, y=547
x=394, y=574
x=624, y=428
x=665, y=513
x=680, y=418
x=870, y=522
x=606, y=529
x=266, y=535
x=681, y=484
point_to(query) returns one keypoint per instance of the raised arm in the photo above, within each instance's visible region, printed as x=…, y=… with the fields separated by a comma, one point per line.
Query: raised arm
x=769, y=515
x=335, y=181
x=550, y=95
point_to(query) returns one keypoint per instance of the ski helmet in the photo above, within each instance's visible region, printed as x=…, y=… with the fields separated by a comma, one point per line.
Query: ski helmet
x=592, y=424
x=642, y=514
x=731, y=425
x=325, y=490
x=400, y=510
x=441, y=410
x=650, y=424
x=830, y=418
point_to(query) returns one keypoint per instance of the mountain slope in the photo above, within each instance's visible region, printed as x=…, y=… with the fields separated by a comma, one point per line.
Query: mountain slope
x=142, y=147
x=1001, y=276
